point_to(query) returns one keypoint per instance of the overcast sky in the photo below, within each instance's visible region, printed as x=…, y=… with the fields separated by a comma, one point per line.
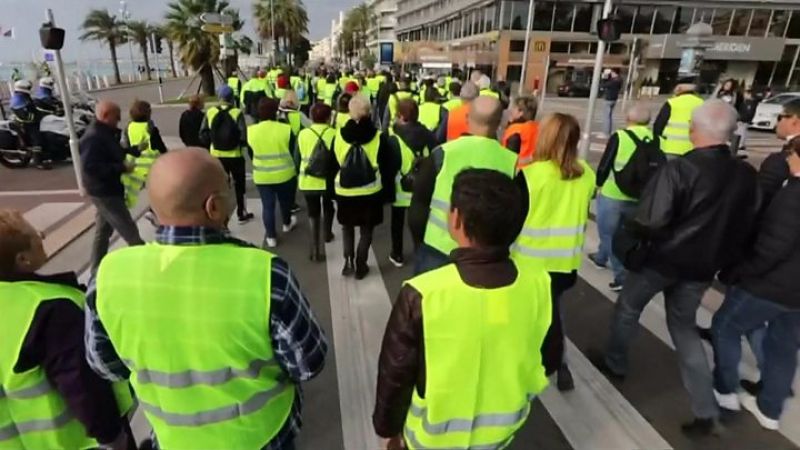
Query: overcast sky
x=26, y=16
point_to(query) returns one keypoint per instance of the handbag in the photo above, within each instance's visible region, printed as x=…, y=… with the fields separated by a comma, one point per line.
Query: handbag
x=631, y=249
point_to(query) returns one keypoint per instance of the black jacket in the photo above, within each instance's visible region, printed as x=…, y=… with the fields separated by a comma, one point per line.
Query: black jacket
x=612, y=87
x=771, y=269
x=774, y=171
x=698, y=212
x=102, y=158
x=189, y=128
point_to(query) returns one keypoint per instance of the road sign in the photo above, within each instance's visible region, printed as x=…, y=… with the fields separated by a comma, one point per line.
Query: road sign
x=214, y=18
x=49, y=55
x=216, y=28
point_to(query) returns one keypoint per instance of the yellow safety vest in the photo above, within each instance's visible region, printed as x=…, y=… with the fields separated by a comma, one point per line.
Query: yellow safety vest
x=202, y=363
x=272, y=158
x=555, y=229
x=340, y=119
x=306, y=142
x=490, y=93
x=429, y=115
x=403, y=197
x=341, y=148
x=625, y=150
x=675, y=137
x=234, y=83
x=33, y=415
x=452, y=104
x=483, y=363
x=327, y=94
x=133, y=182
x=394, y=99
x=466, y=152
x=210, y=115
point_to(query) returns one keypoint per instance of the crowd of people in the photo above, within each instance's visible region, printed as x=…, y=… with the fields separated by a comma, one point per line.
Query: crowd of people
x=497, y=203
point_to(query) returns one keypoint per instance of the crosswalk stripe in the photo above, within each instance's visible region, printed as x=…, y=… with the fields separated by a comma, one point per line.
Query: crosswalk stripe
x=45, y=215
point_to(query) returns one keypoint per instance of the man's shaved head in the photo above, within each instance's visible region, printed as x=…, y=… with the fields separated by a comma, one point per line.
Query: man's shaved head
x=485, y=115
x=108, y=113
x=188, y=187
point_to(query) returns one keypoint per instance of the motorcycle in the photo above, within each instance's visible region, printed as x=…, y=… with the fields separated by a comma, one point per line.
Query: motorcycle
x=54, y=136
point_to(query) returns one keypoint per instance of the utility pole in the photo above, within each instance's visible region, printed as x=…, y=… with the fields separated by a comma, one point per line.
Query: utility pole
x=272, y=29
x=598, y=67
x=527, y=46
x=126, y=16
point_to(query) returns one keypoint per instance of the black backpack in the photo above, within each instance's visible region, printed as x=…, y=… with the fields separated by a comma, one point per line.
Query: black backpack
x=645, y=161
x=356, y=170
x=225, y=133
x=319, y=163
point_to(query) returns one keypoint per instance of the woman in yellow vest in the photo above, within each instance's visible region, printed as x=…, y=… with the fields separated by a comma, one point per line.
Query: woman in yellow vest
x=556, y=196
x=49, y=396
x=365, y=164
x=342, y=114
x=274, y=169
x=142, y=142
x=289, y=113
x=414, y=141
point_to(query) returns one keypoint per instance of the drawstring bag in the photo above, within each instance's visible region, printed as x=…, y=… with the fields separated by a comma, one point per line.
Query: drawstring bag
x=356, y=170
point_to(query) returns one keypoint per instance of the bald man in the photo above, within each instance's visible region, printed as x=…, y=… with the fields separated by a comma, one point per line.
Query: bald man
x=430, y=202
x=103, y=163
x=214, y=333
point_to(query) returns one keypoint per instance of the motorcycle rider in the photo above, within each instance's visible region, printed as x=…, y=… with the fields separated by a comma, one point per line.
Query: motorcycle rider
x=45, y=99
x=27, y=118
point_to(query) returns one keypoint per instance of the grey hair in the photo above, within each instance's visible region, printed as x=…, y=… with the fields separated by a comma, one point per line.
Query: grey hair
x=715, y=119
x=469, y=91
x=639, y=114
x=359, y=107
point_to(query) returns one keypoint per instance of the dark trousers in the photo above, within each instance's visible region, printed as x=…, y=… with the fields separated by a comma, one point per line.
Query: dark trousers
x=364, y=242
x=112, y=214
x=283, y=194
x=320, y=204
x=398, y=229
x=235, y=168
x=740, y=313
x=553, y=345
x=428, y=258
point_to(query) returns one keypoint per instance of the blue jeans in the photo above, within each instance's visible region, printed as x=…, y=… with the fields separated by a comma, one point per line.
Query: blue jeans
x=681, y=300
x=609, y=215
x=428, y=258
x=608, y=115
x=284, y=194
x=740, y=313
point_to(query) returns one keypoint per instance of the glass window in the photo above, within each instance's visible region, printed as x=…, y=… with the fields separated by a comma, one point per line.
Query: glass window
x=579, y=47
x=741, y=17
x=618, y=48
x=543, y=15
x=507, y=15
x=683, y=19
x=644, y=19
x=559, y=47
x=513, y=73
x=516, y=46
x=663, y=21
x=793, y=31
x=583, y=18
x=722, y=20
x=780, y=18
x=625, y=15
x=519, y=16
x=489, y=17
x=565, y=11
x=760, y=22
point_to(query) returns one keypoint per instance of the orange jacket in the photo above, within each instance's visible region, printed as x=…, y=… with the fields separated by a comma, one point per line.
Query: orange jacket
x=457, y=122
x=528, y=133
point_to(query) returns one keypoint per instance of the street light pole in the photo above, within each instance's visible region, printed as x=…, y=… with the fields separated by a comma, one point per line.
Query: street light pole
x=527, y=46
x=126, y=16
x=272, y=29
x=598, y=67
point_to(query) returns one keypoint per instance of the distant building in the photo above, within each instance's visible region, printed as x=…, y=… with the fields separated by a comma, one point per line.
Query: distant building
x=320, y=51
x=382, y=32
x=336, y=31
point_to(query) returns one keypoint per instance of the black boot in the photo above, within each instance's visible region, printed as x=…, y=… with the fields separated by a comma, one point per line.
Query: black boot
x=315, y=251
x=349, y=267
x=362, y=269
x=564, y=380
x=328, y=227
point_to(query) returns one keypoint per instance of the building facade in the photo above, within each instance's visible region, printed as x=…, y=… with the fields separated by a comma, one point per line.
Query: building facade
x=333, y=40
x=756, y=42
x=382, y=32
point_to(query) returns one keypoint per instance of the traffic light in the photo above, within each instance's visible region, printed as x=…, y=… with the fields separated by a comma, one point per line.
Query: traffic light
x=609, y=29
x=159, y=49
x=52, y=38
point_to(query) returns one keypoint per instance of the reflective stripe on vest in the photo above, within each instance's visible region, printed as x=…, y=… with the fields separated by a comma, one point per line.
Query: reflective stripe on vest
x=306, y=141
x=202, y=363
x=473, y=410
x=33, y=415
x=467, y=152
x=675, y=137
x=553, y=235
x=210, y=115
x=272, y=160
x=341, y=148
x=625, y=149
x=430, y=115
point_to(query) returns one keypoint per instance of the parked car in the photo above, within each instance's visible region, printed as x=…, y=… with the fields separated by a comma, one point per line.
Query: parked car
x=574, y=89
x=766, y=117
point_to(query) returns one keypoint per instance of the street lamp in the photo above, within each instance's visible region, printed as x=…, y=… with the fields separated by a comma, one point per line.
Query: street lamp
x=126, y=16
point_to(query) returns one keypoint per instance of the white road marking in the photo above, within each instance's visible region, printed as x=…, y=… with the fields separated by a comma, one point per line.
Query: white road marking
x=37, y=193
x=45, y=215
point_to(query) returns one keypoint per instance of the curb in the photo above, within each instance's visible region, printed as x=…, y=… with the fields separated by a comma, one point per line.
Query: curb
x=133, y=85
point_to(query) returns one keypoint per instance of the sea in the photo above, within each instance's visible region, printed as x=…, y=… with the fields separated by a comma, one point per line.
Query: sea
x=99, y=67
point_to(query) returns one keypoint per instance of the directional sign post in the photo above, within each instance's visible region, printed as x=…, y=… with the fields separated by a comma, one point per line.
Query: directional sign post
x=216, y=28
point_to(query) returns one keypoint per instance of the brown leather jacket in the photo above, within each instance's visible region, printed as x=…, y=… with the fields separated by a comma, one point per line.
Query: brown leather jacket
x=401, y=367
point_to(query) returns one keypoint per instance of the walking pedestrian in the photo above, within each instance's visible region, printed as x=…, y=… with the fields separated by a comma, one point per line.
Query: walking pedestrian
x=342, y=114
x=774, y=170
x=433, y=115
x=274, y=170
x=448, y=326
x=191, y=121
x=103, y=161
x=364, y=159
x=556, y=191
x=227, y=353
x=457, y=118
x=611, y=87
x=673, y=120
x=693, y=219
x=522, y=132
x=143, y=143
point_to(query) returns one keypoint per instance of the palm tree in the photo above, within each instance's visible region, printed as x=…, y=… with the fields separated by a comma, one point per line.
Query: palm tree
x=354, y=30
x=198, y=49
x=100, y=25
x=139, y=32
x=291, y=21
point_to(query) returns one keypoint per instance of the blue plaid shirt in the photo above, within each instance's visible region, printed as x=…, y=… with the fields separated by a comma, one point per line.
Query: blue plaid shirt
x=297, y=339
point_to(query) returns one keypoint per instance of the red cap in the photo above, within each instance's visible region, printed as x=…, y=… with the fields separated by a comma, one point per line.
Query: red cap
x=283, y=81
x=351, y=87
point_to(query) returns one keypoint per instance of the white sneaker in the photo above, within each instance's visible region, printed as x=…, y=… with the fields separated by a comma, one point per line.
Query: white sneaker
x=749, y=402
x=728, y=401
x=271, y=242
x=292, y=224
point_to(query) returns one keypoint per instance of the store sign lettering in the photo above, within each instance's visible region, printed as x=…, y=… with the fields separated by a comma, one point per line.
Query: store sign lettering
x=731, y=47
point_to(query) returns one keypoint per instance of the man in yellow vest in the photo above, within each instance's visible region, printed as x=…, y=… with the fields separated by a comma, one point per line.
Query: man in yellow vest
x=225, y=129
x=49, y=397
x=236, y=85
x=254, y=90
x=218, y=365
x=427, y=214
x=612, y=203
x=451, y=324
x=433, y=115
x=454, y=95
x=672, y=121
x=403, y=92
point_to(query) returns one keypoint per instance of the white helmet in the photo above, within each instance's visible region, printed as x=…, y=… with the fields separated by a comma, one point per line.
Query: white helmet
x=47, y=83
x=23, y=86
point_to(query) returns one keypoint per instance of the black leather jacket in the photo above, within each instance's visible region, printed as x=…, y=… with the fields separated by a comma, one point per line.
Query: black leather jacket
x=699, y=212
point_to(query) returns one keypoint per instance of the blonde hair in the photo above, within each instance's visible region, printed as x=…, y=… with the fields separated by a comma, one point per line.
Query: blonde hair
x=359, y=107
x=559, y=135
x=15, y=237
x=289, y=100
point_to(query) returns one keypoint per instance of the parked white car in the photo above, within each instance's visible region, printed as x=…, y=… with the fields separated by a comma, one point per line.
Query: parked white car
x=766, y=117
